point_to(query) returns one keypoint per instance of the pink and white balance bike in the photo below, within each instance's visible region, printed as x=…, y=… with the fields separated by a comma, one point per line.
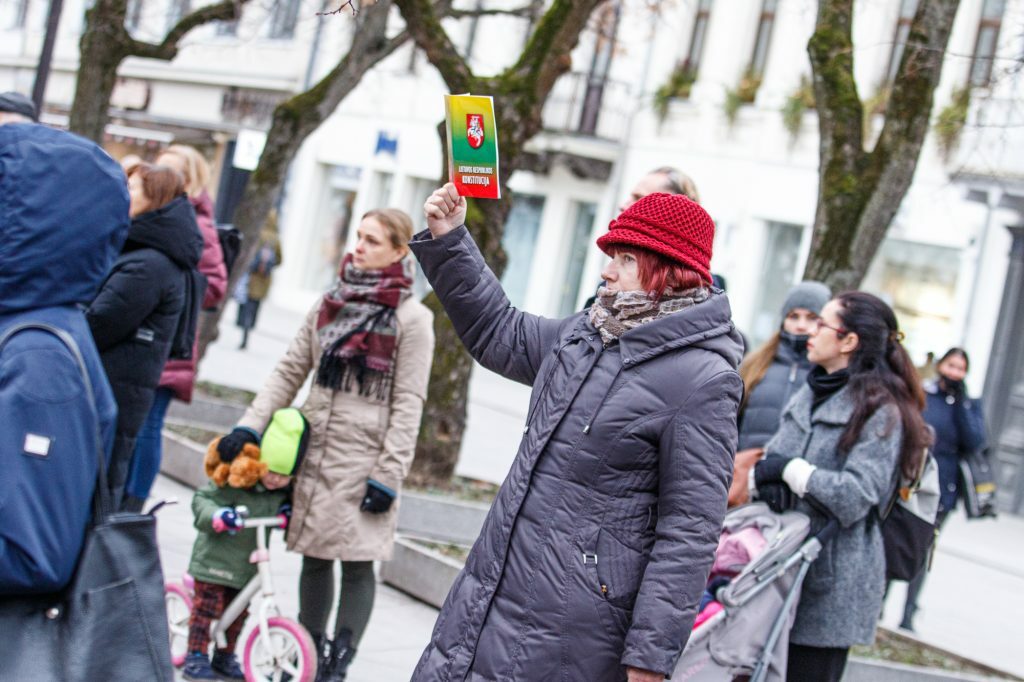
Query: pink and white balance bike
x=277, y=648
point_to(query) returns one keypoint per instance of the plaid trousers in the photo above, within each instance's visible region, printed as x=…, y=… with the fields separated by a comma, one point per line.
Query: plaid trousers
x=208, y=604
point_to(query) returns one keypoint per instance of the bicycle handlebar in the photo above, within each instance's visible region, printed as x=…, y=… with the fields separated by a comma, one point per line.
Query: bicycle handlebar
x=278, y=521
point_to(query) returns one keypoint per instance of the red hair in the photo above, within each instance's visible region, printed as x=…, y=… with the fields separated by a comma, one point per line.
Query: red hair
x=657, y=273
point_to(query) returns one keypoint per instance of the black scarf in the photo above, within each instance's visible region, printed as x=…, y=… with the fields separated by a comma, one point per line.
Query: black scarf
x=824, y=385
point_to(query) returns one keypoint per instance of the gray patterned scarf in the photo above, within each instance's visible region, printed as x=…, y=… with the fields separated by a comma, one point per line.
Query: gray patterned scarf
x=616, y=312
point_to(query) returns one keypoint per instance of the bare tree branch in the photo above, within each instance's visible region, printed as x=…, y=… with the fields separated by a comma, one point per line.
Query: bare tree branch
x=425, y=27
x=524, y=12
x=167, y=49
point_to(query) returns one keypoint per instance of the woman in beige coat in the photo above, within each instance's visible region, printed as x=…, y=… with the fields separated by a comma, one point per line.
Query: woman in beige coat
x=368, y=344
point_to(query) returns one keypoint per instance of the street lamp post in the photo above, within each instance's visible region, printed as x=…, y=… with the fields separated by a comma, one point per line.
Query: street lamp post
x=46, y=55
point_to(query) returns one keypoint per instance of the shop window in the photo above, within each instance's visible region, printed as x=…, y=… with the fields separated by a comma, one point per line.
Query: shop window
x=907, y=10
x=519, y=242
x=578, y=244
x=919, y=282
x=335, y=216
x=987, y=42
x=778, y=274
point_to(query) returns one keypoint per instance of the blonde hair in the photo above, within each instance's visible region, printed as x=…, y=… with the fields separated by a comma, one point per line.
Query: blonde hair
x=197, y=170
x=756, y=365
x=397, y=224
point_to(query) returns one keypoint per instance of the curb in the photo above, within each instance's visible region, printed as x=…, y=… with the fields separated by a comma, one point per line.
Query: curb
x=441, y=520
x=420, y=572
x=183, y=460
x=867, y=670
x=205, y=413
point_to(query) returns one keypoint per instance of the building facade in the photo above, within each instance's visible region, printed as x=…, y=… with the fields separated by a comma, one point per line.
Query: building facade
x=715, y=88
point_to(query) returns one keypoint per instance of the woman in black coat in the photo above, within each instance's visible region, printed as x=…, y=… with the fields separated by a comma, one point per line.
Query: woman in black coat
x=959, y=430
x=772, y=375
x=134, y=316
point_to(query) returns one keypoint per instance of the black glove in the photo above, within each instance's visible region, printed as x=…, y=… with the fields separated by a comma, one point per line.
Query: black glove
x=777, y=496
x=769, y=470
x=231, y=444
x=954, y=389
x=378, y=498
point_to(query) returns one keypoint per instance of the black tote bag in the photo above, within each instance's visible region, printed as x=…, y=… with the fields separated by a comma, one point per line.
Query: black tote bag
x=110, y=623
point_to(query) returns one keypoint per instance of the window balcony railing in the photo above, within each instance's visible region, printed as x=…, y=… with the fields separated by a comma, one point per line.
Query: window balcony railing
x=581, y=105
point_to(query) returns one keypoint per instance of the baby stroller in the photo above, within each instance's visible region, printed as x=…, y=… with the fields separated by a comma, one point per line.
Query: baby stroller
x=745, y=631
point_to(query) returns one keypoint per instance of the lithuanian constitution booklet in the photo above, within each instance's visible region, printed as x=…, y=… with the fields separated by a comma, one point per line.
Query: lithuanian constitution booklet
x=472, y=146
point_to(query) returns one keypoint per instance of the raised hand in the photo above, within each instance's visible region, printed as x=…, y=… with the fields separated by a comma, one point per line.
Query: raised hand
x=445, y=210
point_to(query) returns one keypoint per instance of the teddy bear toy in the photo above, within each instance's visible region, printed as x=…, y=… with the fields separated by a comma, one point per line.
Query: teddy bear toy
x=244, y=471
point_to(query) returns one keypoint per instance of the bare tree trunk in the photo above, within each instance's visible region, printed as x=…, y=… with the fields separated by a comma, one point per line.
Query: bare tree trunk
x=519, y=93
x=859, y=191
x=106, y=43
x=293, y=121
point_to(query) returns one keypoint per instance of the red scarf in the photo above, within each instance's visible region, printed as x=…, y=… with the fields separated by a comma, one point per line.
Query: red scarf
x=357, y=328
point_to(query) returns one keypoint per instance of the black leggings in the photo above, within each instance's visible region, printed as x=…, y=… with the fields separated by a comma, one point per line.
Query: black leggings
x=817, y=664
x=355, y=600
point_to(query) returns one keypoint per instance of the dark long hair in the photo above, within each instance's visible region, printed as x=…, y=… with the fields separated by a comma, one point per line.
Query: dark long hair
x=955, y=351
x=881, y=373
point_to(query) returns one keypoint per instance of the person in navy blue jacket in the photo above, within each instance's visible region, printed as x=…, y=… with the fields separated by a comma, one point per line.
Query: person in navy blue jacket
x=959, y=430
x=63, y=218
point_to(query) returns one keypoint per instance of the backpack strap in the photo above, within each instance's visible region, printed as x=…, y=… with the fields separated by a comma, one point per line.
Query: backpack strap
x=101, y=499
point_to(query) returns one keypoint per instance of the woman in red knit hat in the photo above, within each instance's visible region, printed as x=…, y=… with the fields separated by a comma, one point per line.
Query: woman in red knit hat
x=592, y=561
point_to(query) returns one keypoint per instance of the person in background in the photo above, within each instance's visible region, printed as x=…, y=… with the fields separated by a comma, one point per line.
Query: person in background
x=842, y=441
x=666, y=180
x=179, y=375
x=959, y=430
x=368, y=343
x=772, y=375
x=59, y=236
x=16, y=108
x=927, y=371
x=134, y=317
x=255, y=285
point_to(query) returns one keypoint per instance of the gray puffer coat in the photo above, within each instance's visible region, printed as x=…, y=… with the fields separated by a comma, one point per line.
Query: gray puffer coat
x=842, y=595
x=762, y=412
x=596, y=550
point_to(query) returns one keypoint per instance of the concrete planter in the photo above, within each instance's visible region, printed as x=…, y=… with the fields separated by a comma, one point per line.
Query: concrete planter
x=441, y=519
x=420, y=572
x=864, y=670
x=183, y=460
x=205, y=413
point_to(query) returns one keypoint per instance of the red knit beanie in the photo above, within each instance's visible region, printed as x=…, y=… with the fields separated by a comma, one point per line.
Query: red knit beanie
x=669, y=224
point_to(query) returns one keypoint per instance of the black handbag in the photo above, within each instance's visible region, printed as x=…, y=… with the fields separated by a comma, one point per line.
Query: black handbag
x=978, y=485
x=908, y=522
x=110, y=622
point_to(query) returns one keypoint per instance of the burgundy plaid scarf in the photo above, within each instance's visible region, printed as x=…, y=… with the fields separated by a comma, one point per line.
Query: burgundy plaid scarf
x=357, y=329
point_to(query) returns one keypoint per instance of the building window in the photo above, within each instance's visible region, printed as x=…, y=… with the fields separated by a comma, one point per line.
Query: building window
x=133, y=15
x=331, y=234
x=919, y=282
x=700, y=30
x=778, y=273
x=764, y=37
x=17, y=16
x=907, y=10
x=177, y=11
x=597, y=78
x=987, y=42
x=283, y=17
x=578, y=244
x=519, y=242
x=227, y=28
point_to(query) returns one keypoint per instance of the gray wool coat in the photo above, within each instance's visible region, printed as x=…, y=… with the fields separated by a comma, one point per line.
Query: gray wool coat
x=597, y=548
x=842, y=595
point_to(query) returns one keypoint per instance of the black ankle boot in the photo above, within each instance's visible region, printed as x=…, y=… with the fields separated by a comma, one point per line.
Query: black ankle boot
x=322, y=647
x=342, y=653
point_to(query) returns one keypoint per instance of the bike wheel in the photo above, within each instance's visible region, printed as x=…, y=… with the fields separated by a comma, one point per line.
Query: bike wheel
x=284, y=651
x=179, y=609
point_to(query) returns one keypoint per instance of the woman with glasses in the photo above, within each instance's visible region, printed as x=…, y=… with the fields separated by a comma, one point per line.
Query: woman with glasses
x=842, y=442
x=771, y=375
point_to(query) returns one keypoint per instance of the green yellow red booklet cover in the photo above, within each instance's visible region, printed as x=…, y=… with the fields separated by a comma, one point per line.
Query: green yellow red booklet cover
x=472, y=146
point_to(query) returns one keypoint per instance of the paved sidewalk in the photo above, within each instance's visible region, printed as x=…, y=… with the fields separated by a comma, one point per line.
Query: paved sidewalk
x=399, y=628
x=972, y=603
